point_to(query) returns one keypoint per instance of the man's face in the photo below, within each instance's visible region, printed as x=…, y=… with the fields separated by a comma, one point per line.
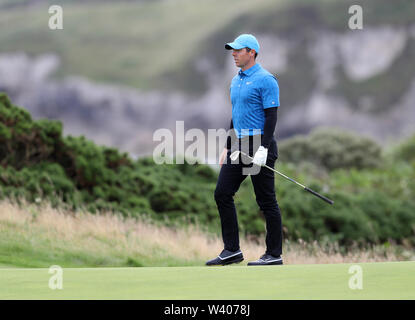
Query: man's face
x=242, y=57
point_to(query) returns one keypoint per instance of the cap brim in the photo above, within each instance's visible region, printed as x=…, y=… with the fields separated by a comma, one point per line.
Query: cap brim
x=233, y=45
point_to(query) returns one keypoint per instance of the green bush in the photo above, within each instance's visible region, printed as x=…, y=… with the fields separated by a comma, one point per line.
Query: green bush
x=331, y=149
x=405, y=151
x=374, y=200
x=23, y=141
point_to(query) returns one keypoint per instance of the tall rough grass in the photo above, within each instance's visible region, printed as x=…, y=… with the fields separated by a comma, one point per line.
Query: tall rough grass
x=39, y=236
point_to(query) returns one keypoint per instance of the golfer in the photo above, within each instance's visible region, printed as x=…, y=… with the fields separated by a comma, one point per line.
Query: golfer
x=254, y=94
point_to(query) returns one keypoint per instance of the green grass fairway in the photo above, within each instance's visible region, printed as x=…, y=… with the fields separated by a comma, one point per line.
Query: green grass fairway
x=392, y=280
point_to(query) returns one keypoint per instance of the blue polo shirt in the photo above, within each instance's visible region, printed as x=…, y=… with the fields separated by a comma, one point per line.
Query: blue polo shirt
x=252, y=91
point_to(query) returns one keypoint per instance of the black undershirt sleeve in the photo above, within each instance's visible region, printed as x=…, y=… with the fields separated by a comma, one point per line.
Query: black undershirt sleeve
x=229, y=139
x=269, y=126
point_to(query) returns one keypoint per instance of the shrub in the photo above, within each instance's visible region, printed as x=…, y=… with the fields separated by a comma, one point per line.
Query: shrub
x=406, y=150
x=22, y=141
x=331, y=149
x=372, y=204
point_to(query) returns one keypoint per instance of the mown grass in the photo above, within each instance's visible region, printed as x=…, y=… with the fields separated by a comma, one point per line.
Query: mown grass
x=326, y=281
x=40, y=236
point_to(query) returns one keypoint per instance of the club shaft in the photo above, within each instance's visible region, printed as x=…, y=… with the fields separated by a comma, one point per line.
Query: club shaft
x=276, y=171
x=281, y=174
x=292, y=180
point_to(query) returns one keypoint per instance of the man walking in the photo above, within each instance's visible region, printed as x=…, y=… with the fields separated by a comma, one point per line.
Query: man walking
x=254, y=95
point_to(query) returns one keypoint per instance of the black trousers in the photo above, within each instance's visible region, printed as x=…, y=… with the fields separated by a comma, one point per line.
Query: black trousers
x=230, y=178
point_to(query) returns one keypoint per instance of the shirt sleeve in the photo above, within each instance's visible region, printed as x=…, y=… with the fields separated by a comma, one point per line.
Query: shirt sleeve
x=270, y=92
x=269, y=126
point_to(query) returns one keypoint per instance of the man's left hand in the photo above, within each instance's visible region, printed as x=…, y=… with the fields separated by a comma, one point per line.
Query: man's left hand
x=260, y=157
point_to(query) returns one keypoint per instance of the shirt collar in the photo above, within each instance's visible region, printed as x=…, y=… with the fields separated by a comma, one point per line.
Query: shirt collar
x=251, y=70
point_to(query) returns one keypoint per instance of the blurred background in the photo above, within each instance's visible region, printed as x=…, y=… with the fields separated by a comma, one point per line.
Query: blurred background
x=119, y=70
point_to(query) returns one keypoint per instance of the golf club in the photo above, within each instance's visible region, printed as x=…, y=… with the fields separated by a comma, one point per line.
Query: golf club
x=236, y=154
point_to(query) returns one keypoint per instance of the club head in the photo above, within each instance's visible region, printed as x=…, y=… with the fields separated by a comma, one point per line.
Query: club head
x=235, y=155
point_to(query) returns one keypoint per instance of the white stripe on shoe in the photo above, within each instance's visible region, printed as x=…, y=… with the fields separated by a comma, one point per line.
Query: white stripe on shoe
x=266, y=261
x=235, y=254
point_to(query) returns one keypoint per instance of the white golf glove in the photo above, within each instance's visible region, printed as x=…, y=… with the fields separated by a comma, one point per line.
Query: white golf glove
x=260, y=157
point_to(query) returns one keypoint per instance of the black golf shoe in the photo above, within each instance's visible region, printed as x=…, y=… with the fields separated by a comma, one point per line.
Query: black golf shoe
x=226, y=257
x=266, y=260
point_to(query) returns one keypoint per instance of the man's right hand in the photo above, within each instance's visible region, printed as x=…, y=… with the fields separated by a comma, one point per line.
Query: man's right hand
x=222, y=157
